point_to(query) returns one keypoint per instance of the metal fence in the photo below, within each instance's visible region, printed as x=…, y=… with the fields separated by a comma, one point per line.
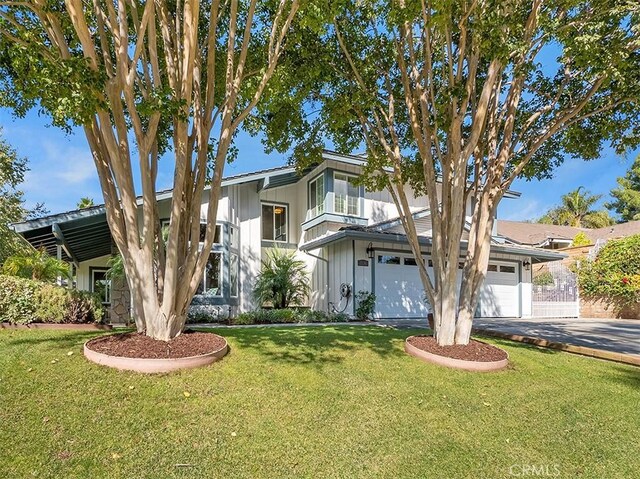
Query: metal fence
x=555, y=292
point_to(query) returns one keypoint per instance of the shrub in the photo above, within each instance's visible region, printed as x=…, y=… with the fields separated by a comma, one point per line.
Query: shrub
x=287, y=316
x=36, y=265
x=24, y=301
x=544, y=279
x=283, y=280
x=581, y=239
x=365, y=304
x=615, y=273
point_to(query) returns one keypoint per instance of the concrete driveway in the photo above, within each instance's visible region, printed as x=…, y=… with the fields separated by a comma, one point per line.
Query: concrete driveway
x=615, y=335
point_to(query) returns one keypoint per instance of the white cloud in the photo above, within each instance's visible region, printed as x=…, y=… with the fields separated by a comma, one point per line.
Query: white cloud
x=60, y=173
x=524, y=210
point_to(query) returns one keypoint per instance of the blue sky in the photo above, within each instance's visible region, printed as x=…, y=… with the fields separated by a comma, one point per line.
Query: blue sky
x=62, y=171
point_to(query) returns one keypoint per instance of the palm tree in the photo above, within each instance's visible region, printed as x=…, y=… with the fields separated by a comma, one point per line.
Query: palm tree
x=37, y=265
x=85, y=202
x=283, y=280
x=576, y=210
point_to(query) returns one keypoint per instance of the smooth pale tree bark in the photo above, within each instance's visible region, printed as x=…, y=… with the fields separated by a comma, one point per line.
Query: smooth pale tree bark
x=471, y=142
x=167, y=73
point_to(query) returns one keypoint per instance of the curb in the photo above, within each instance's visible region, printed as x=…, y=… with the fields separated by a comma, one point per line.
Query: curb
x=569, y=348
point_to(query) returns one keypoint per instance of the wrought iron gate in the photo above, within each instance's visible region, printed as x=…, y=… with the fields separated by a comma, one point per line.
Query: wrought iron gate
x=555, y=292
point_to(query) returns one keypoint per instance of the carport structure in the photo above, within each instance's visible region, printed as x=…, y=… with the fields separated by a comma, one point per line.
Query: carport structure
x=73, y=236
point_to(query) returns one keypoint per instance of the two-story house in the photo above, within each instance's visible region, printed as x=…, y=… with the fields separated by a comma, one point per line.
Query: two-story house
x=350, y=239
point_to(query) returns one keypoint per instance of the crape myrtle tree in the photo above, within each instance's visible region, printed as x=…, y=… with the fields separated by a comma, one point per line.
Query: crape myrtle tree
x=146, y=80
x=458, y=98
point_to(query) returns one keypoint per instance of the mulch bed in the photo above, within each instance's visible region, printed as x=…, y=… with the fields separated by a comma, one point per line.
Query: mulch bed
x=138, y=345
x=474, y=351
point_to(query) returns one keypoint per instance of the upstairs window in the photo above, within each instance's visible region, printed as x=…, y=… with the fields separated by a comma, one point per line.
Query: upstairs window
x=274, y=222
x=316, y=197
x=346, y=194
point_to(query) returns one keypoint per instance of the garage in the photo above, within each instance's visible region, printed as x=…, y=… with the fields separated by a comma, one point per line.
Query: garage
x=500, y=294
x=399, y=292
x=398, y=288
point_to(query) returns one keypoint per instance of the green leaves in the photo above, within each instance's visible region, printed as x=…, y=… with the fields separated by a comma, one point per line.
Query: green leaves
x=615, y=273
x=576, y=210
x=283, y=280
x=627, y=196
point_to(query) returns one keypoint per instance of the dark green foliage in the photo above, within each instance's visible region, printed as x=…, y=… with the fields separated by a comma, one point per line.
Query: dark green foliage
x=12, y=171
x=544, y=279
x=577, y=210
x=626, y=196
x=24, y=301
x=365, y=304
x=283, y=280
x=615, y=273
x=298, y=315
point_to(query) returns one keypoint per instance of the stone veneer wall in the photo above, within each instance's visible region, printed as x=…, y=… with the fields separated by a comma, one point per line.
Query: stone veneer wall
x=120, y=302
x=598, y=308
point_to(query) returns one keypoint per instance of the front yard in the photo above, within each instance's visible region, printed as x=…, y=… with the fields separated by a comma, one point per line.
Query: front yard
x=340, y=401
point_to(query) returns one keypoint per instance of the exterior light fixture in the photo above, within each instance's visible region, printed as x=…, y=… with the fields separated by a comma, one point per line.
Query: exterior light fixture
x=370, y=251
x=526, y=265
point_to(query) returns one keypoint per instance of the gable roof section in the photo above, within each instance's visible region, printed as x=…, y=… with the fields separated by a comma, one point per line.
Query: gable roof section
x=537, y=234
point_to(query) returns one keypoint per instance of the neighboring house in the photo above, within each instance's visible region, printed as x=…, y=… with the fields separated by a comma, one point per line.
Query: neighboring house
x=546, y=236
x=350, y=239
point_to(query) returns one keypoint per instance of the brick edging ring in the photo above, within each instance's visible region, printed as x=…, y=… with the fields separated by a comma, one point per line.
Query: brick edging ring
x=475, y=366
x=150, y=366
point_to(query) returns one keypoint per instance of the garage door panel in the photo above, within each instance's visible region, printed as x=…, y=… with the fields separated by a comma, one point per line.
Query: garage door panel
x=399, y=291
x=500, y=294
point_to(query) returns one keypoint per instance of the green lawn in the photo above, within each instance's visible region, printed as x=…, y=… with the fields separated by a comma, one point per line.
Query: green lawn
x=340, y=401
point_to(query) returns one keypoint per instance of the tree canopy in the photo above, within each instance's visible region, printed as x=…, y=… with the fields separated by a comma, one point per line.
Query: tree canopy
x=143, y=80
x=626, y=197
x=577, y=210
x=12, y=209
x=456, y=99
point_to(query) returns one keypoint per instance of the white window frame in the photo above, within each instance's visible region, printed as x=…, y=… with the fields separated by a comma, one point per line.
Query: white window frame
x=273, y=220
x=166, y=222
x=237, y=274
x=109, y=286
x=335, y=196
x=221, y=278
x=320, y=207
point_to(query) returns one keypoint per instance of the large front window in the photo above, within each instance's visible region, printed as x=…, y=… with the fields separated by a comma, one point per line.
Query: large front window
x=274, y=222
x=316, y=197
x=101, y=285
x=212, y=281
x=346, y=194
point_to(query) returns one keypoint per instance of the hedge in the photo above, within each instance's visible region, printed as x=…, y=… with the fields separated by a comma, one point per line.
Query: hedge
x=270, y=316
x=25, y=301
x=289, y=315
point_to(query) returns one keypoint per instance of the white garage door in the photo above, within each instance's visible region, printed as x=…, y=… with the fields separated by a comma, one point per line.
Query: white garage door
x=500, y=295
x=399, y=292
